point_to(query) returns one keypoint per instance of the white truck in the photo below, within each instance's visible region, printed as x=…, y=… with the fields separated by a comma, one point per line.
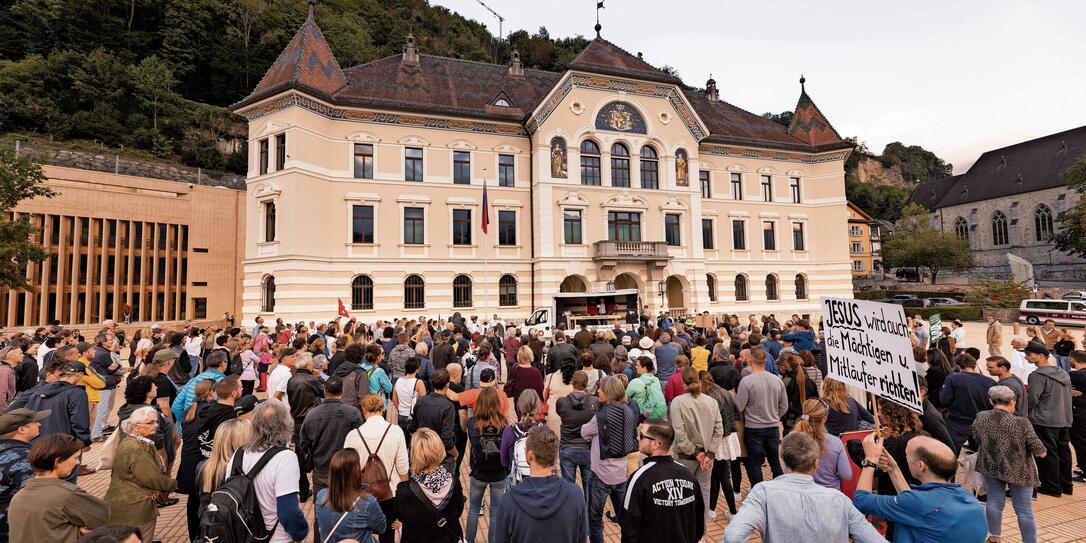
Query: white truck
x=597, y=310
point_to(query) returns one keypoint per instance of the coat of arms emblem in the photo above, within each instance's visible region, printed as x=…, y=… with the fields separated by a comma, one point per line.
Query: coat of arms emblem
x=620, y=119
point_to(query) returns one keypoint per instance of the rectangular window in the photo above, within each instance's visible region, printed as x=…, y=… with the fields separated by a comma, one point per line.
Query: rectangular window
x=769, y=236
x=767, y=188
x=794, y=185
x=412, y=167
x=650, y=170
x=461, y=167
x=280, y=151
x=737, y=186
x=798, y=243
x=857, y=265
x=199, y=308
x=461, y=233
x=623, y=226
x=571, y=226
x=854, y=231
x=507, y=228
x=706, y=185
x=739, y=235
x=590, y=170
x=269, y=221
x=620, y=171
x=363, y=161
x=361, y=224
x=506, y=171
x=707, y=234
x=263, y=164
x=856, y=247
x=414, y=229
x=671, y=229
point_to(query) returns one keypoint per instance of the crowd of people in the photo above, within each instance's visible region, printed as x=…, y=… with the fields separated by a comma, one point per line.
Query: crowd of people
x=373, y=422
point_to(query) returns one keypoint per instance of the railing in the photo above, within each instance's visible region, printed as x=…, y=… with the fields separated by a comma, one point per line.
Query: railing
x=644, y=250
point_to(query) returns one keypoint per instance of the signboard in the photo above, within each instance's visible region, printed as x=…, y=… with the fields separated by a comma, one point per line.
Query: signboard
x=935, y=328
x=868, y=346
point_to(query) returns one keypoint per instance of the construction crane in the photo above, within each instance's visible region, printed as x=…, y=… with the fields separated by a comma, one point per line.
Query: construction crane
x=500, y=21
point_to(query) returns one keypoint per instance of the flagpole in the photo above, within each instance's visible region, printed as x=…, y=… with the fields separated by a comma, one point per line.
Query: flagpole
x=486, y=252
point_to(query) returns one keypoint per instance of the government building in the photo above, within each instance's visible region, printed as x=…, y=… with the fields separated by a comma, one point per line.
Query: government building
x=372, y=184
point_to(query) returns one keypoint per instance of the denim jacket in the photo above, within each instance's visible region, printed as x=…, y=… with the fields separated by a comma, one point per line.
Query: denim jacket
x=365, y=518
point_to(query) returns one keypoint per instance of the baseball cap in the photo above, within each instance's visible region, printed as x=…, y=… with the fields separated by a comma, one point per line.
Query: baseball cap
x=626, y=340
x=155, y=326
x=165, y=355
x=645, y=343
x=83, y=346
x=71, y=368
x=245, y=405
x=12, y=420
x=1036, y=348
x=487, y=375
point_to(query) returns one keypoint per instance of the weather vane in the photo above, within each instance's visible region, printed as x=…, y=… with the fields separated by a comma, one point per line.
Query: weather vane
x=599, y=6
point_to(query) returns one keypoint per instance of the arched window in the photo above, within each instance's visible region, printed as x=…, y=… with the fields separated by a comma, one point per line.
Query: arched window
x=462, y=291
x=710, y=282
x=507, y=291
x=267, y=298
x=414, y=292
x=801, y=286
x=362, y=292
x=961, y=229
x=650, y=168
x=741, y=288
x=1000, y=234
x=771, y=288
x=590, y=163
x=1042, y=220
x=620, y=165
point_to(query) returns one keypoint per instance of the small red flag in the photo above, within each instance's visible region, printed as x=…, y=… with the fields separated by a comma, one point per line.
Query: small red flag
x=485, y=218
x=343, y=310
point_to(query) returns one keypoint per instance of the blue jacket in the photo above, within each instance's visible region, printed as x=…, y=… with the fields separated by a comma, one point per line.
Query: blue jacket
x=934, y=512
x=665, y=361
x=68, y=403
x=801, y=341
x=541, y=510
x=366, y=518
x=187, y=395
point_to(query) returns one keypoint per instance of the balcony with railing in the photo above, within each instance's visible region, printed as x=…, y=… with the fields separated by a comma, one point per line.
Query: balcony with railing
x=609, y=253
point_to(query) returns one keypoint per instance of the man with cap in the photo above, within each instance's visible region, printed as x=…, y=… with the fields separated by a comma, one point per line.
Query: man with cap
x=1049, y=394
x=92, y=383
x=216, y=370
x=66, y=402
x=17, y=428
x=487, y=379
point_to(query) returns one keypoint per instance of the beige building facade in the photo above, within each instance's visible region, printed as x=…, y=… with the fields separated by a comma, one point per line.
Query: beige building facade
x=366, y=185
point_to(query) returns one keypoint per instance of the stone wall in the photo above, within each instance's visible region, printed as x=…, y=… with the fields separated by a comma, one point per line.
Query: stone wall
x=130, y=166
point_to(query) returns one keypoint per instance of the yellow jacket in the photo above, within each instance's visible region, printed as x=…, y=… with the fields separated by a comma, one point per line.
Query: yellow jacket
x=699, y=358
x=91, y=382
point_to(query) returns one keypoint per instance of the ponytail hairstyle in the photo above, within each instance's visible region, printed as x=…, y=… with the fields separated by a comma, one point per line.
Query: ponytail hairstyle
x=527, y=406
x=203, y=392
x=692, y=381
x=813, y=421
x=373, y=353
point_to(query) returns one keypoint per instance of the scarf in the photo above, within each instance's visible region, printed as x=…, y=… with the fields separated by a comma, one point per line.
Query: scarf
x=436, y=485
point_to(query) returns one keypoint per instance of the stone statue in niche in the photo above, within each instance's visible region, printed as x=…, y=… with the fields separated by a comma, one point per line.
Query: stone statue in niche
x=558, y=158
x=682, y=169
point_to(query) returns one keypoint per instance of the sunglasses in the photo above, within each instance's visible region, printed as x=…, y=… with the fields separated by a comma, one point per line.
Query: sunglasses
x=643, y=436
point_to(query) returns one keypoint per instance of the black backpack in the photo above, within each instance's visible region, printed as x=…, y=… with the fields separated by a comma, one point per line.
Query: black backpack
x=232, y=514
x=488, y=460
x=235, y=367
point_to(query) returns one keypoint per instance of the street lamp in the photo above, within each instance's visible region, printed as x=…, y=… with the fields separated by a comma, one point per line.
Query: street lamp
x=661, y=287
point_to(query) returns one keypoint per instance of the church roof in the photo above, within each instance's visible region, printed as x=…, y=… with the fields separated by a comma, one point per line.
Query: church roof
x=307, y=62
x=809, y=125
x=1023, y=167
x=604, y=57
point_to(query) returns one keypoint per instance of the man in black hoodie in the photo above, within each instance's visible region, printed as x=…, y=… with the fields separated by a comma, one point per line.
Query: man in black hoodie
x=199, y=437
x=663, y=500
x=1050, y=412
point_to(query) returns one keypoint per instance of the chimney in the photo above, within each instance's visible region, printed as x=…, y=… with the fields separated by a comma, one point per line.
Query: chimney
x=515, y=68
x=639, y=56
x=410, y=51
x=710, y=89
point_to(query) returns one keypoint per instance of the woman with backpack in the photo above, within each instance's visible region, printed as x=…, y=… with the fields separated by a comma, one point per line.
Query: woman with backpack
x=210, y=474
x=345, y=510
x=383, y=452
x=485, y=431
x=430, y=502
x=513, y=457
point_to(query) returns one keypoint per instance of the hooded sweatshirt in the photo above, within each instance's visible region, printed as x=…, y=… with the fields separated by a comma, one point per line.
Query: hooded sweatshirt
x=68, y=403
x=541, y=510
x=575, y=409
x=1049, y=397
x=197, y=439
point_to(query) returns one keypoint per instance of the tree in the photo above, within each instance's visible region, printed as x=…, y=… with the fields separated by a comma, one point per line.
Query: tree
x=917, y=244
x=20, y=179
x=152, y=84
x=783, y=118
x=1071, y=237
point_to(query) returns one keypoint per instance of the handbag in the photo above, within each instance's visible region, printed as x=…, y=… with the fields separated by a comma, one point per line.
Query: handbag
x=544, y=407
x=340, y=521
x=510, y=385
x=967, y=459
x=109, y=450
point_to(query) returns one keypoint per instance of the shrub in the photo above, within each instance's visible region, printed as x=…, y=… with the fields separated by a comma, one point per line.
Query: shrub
x=991, y=293
x=949, y=312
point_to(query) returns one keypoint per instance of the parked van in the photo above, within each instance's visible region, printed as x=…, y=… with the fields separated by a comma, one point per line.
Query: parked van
x=1063, y=312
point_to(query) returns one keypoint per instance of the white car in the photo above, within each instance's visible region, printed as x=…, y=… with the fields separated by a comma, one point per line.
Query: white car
x=944, y=301
x=1074, y=295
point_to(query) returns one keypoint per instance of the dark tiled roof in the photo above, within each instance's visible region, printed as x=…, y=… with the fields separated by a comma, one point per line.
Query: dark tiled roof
x=730, y=124
x=1024, y=167
x=306, y=62
x=604, y=57
x=446, y=85
x=810, y=126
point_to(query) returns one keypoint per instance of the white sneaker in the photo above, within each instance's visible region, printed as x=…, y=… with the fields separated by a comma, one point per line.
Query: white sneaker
x=738, y=497
x=712, y=514
x=727, y=516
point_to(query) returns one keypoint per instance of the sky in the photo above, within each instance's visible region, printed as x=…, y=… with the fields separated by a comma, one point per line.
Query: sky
x=957, y=77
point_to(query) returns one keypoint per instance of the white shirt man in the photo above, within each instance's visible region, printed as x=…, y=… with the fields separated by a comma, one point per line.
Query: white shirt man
x=277, y=381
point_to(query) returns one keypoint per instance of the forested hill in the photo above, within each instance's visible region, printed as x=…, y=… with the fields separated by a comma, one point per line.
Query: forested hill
x=153, y=76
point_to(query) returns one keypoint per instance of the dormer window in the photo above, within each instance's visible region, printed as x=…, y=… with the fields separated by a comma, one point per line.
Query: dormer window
x=502, y=102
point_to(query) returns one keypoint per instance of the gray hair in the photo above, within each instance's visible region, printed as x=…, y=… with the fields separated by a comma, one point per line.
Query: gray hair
x=799, y=452
x=303, y=361
x=1001, y=395
x=422, y=349
x=143, y=414
x=272, y=426
x=613, y=389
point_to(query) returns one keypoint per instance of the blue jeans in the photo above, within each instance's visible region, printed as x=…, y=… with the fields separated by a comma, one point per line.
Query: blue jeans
x=1021, y=498
x=599, y=491
x=101, y=413
x=475, y=502
x=571, y=458
x=762, y=444
x=1064, y=362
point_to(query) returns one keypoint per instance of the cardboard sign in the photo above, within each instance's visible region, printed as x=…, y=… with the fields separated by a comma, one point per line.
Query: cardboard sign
x=935, y=328
x=868, y=346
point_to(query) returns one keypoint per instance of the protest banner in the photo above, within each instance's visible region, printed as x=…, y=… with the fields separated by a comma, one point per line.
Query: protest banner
x=935, y=328
x=868, y=346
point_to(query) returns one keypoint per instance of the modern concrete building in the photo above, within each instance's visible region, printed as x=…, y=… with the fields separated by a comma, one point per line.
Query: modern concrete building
x=1009, y=202
x=366, y=185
